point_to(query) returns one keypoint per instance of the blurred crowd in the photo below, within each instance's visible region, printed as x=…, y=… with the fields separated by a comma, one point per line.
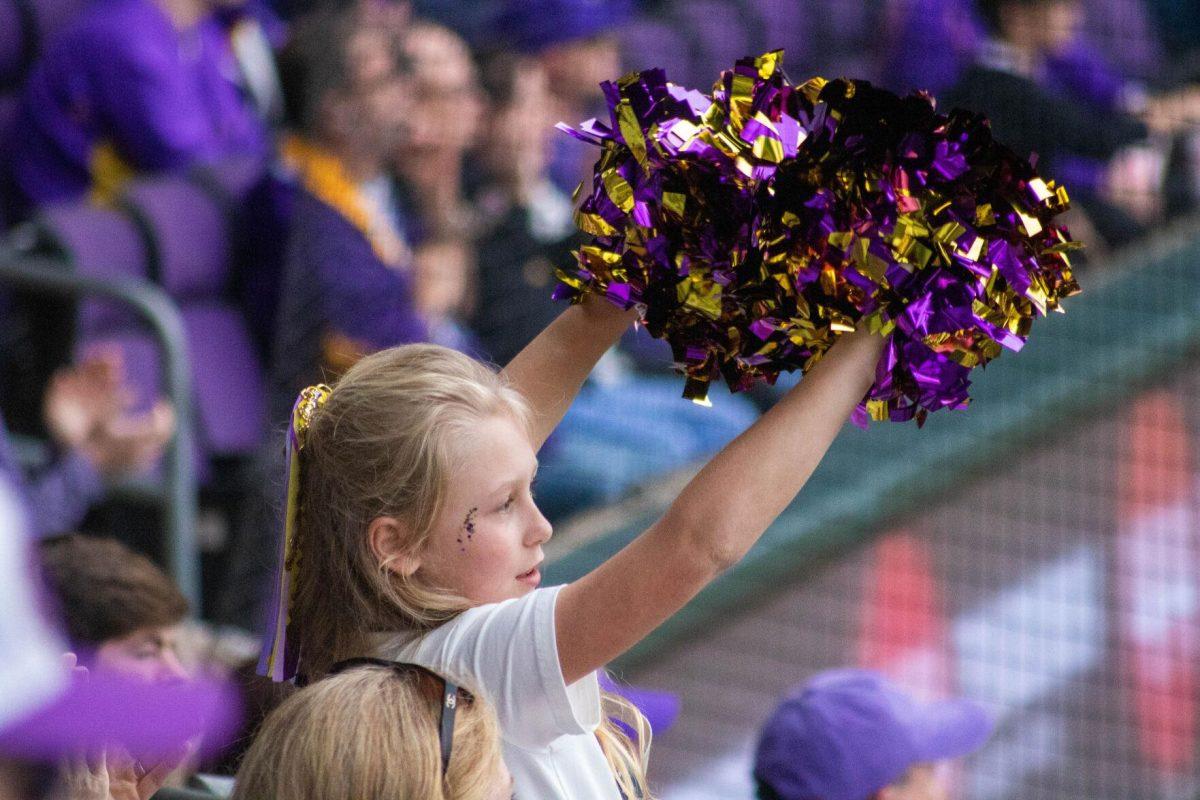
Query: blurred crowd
x=406, y=183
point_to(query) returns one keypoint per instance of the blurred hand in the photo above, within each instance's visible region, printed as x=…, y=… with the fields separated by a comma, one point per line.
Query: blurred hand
x=83, y=397
x=130, y=443
x=88, y=409
x=1134, y=182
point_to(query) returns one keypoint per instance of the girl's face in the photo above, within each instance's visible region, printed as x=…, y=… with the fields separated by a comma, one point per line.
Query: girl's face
x=487, y=543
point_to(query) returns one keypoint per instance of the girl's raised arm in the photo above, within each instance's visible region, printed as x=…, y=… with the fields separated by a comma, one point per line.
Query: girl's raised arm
x=717, y=518
x=551, y=368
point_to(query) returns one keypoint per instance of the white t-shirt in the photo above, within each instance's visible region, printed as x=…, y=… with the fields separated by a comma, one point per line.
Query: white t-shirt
x=507, y=653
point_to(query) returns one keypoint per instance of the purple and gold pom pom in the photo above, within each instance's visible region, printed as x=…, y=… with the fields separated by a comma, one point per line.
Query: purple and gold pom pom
x=753, y=226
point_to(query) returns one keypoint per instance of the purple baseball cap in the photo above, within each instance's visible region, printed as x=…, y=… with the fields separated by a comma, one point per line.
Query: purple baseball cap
x=532, y=26
x=848, y=733
x=46, y=712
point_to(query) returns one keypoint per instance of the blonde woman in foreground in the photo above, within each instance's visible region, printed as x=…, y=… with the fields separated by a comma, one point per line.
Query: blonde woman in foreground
x=377, y=730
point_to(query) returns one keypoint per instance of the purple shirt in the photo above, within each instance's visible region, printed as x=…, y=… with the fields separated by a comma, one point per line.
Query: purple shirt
x=57, y=498
x=333, y=283
x=121, y=74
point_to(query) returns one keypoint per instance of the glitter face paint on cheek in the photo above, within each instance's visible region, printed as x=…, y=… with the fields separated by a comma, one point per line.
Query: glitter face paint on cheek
x=468, y=526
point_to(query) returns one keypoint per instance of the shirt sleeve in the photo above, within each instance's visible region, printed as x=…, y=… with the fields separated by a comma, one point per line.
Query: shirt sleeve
x=58, y=497
x=146, y=100
x=508, y=652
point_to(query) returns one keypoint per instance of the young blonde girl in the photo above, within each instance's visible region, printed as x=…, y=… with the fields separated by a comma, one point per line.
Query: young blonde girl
x=372, y=733
x=415, y=536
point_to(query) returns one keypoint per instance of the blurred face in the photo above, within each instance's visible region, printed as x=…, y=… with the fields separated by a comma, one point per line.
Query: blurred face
x=487, y=542
x=577, y=68
x=1043, y=26
x=151, y=654
x=447, y=104
x=519, y=130
x=371, y=116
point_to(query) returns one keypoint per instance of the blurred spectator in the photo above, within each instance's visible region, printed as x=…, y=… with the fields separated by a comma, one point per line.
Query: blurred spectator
x=120, y=611
x=129, y=86
x=853, y=735
x=928, y=44
x=575, y=42
x=1031, y=117
x=527, y=225
x=96, y=437
x=444, y=118
x=624, y=428
x=443, y=124
x=348, y=283
x=132, y=733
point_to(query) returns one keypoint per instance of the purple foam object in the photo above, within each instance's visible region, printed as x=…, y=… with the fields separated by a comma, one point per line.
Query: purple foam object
x=227, y=379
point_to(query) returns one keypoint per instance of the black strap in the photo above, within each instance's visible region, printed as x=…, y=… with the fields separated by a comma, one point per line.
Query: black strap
x=446, y=734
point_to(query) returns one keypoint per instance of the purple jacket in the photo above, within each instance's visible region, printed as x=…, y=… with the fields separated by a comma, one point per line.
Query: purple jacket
x=57, y=498
x=333, y=283
x=121, y=74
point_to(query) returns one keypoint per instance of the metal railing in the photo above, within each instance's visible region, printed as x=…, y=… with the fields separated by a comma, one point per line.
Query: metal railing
x=179, y=496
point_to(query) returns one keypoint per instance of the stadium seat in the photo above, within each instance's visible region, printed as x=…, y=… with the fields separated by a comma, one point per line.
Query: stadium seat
x=96, y=242
x=187, y=232
x=189, y=239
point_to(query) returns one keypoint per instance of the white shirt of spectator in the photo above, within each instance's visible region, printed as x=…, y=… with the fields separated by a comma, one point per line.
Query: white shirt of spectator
x=507, y=653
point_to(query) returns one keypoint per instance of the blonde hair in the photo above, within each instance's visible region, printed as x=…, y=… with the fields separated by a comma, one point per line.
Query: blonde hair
x=371, y=734
x=385, y=444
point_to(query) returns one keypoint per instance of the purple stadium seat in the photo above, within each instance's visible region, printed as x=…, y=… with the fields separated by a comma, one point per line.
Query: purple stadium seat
x=100, y=243
x=189, y=236
x=651, y=43
x=227, y=384
x=190, y=246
